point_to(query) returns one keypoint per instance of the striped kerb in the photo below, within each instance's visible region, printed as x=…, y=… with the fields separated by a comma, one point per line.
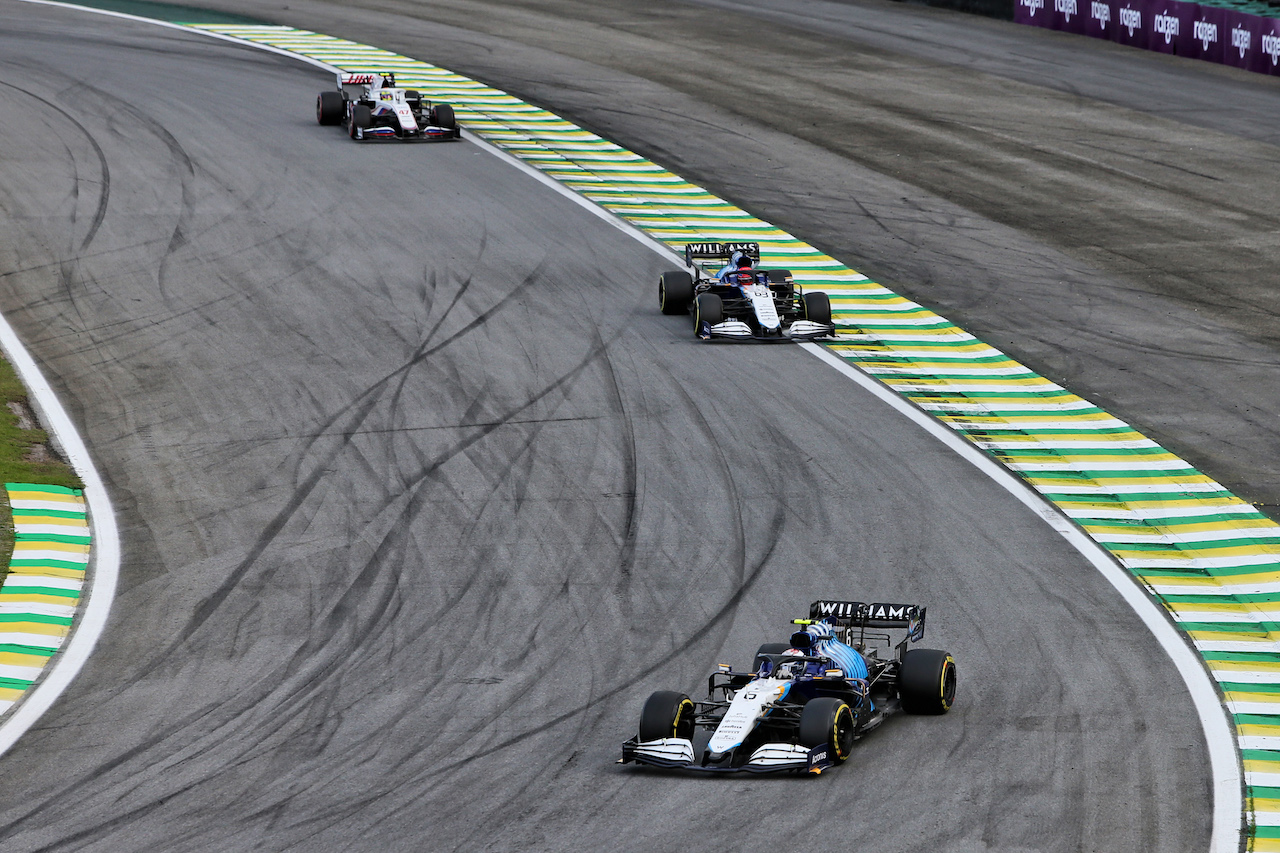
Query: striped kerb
x=46, y=573
x=1208, y=556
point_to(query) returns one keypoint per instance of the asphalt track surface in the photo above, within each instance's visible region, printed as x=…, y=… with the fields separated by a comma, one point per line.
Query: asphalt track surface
x=1106, y=215
x=421, y=496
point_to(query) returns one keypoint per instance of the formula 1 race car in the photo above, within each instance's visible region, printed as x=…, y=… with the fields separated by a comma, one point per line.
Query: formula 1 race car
x=802, y=705
x=742, y=303
x=370, y=107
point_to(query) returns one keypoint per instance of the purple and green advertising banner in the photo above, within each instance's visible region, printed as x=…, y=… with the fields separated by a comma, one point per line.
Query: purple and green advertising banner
x=1212, y=33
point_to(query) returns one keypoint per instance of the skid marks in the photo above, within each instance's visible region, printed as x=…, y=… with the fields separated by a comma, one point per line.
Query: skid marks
x=103, y=181
x=97, y=188
x=351, y=626
x=344, y=425
x=564, y=646
x=135, y=127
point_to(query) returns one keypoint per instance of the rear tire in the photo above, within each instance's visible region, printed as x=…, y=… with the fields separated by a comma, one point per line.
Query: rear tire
x=817, y=308
x=828, y=721
x=329, y=108
x=927, y=681
x=708, y=307
x=666, y=713
x=442, y=116
x=675, y=292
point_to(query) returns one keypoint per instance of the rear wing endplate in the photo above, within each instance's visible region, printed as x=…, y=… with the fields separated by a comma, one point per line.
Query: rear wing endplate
x=719, y=251
x=861, y=614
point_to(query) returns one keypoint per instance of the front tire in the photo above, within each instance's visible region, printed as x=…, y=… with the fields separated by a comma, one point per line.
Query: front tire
x=817, y=308
x=666, y=713
x=709, y=308
x=828, y=721
x=442, y=116
x=361, y=118
x=329, y=108
x=927, y=681
x=675, y=292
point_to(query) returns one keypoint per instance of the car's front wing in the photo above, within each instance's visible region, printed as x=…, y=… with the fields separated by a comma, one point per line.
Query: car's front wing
x=800, y=330
x=768, y=758
x=430, y=133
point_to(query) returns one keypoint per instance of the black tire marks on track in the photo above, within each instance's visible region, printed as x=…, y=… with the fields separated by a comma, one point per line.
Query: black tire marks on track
x=413, y=531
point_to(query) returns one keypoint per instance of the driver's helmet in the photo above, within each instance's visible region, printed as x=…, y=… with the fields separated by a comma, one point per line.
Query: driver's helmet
x=741, y=260
x=789, y=669
x=801, y=643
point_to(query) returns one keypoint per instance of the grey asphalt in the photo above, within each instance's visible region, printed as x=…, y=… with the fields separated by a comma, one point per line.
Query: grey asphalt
x=1104, y=214
x=421, y=497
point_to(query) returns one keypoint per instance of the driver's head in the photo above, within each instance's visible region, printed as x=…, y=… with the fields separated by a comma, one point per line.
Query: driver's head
x=790, y=669
x=802, y=641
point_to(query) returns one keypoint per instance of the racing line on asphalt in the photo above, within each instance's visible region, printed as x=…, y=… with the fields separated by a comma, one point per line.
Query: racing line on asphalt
x=1131, y=508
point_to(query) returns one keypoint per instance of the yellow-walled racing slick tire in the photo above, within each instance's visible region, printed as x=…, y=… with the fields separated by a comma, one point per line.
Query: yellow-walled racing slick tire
x=675, y=292
x=708, y=308
x=927, y=681
x=828, y=721
x=817, y=308
x=666, y=713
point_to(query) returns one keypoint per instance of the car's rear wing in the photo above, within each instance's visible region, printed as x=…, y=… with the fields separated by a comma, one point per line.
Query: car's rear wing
x=353, y=83
x=719, y=251
x=863, y=615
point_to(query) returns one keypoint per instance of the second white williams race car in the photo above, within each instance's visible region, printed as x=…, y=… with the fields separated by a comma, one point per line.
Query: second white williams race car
x=739, y=301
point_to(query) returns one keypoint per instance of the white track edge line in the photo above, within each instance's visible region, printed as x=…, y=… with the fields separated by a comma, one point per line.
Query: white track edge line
x=1225, y=768
x=88, y=627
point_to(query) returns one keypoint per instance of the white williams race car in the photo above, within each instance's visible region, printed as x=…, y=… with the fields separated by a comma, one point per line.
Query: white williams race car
x=802, y=704
x=370, y=107
x=735, y=300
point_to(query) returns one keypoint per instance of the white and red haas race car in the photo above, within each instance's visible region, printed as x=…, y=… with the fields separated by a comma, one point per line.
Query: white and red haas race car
x=371, y=108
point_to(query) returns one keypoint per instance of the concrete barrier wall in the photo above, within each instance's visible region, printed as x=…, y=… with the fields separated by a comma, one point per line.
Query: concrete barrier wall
x=1211, y=33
